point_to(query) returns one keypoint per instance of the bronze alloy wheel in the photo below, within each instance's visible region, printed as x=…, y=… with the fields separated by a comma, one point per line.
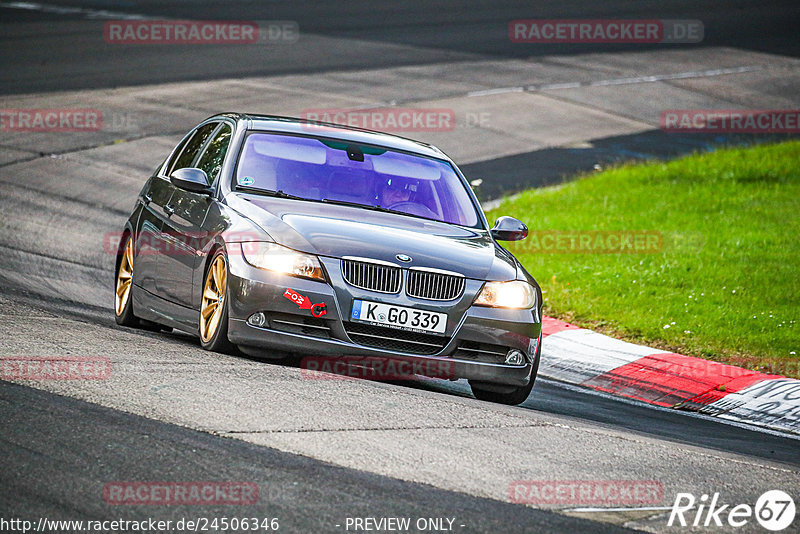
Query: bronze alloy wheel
x=213, y=302
x=124, y=279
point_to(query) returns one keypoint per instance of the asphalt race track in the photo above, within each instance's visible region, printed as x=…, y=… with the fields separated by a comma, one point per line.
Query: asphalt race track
x=323, y=451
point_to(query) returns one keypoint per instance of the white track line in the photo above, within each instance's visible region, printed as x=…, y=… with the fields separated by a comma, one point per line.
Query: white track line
x=620, y=81
x=67, y=10
x=632, y=509
x=105, y=14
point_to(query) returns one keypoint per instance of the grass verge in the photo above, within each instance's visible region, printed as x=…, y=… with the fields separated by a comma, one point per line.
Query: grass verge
x=697, y=255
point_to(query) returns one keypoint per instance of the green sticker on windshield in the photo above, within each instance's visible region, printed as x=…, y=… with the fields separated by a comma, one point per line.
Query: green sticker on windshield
x=246, y=180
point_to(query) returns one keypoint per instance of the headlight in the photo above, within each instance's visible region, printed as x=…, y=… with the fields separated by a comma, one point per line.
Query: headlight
x=514, y=294
x=274, y=257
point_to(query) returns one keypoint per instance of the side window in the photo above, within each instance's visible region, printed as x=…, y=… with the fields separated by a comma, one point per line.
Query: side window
x=175, y=154
x=211, y=160
x=192, y=147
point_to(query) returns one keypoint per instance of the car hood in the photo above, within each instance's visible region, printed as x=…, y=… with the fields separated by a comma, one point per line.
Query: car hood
x=338, y=231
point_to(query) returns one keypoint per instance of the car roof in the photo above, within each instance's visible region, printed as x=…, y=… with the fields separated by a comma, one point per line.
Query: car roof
x=293, y=125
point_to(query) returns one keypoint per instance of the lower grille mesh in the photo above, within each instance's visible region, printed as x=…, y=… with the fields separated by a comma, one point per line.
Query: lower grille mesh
x=396, y=340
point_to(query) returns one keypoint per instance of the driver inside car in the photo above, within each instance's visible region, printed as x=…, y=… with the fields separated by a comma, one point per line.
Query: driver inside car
x=396, y=190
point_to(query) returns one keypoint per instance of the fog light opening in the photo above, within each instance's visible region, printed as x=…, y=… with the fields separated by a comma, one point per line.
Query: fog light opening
x=257, y=319
x=515, y=357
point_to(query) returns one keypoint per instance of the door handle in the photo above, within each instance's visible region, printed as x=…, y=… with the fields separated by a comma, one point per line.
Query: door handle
x=169, y=209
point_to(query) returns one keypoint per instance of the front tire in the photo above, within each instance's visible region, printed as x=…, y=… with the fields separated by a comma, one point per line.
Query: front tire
x=268, y=355
x=214, y=306
x=511, y=396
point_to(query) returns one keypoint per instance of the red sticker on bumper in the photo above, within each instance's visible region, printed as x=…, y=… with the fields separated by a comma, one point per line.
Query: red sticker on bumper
x=304, y=303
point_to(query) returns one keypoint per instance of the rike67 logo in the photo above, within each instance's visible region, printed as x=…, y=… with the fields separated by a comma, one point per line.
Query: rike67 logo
x=774, y=510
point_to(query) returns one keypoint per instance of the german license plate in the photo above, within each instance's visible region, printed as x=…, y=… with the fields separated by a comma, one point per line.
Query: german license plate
x=399, y=317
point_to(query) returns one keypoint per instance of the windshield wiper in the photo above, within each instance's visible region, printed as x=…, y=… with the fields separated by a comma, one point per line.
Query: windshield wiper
x=270, y=192
x=280, y=194
x=357, y=205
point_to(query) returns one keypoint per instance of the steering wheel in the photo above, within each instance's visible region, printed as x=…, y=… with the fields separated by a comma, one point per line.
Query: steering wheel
x=413, y=208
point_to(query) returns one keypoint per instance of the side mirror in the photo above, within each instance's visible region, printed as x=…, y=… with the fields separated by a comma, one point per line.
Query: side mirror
x=509, y=229
x=191, y=179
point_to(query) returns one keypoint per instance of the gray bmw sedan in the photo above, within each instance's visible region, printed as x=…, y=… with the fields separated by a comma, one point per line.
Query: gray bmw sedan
x=283, y=236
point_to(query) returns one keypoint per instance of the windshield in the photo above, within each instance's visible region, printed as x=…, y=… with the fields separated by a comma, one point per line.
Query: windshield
x=342, y=172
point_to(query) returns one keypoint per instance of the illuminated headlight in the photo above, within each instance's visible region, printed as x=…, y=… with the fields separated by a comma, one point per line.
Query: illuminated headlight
x=274, y=257
x=514, y=294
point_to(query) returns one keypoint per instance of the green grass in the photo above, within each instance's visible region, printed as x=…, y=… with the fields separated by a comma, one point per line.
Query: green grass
x=726, y=283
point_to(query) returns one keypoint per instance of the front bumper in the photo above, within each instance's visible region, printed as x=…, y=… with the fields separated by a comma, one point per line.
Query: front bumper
x=473, y=346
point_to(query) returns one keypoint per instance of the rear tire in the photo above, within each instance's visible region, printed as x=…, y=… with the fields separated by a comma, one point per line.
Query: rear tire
x=123, y=286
